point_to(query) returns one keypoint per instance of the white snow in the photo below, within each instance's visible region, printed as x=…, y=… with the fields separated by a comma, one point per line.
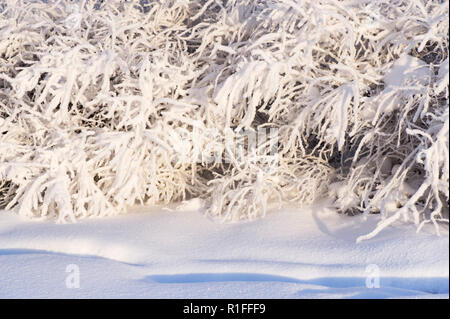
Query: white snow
x=405, y=70
x=179, y=253
x=407, y=76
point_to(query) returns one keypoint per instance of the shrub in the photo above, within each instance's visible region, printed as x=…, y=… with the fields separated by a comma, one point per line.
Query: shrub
x=109, y=104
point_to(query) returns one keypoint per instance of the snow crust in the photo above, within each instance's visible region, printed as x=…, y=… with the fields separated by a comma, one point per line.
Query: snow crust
x=153, y=253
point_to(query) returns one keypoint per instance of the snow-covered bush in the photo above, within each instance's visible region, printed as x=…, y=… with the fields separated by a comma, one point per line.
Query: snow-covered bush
x=108, y=104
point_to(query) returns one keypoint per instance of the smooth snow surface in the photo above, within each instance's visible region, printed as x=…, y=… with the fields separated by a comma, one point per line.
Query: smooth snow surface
x=181, y=254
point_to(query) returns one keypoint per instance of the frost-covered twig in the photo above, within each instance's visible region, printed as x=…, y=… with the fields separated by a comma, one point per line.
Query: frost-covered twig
x=108, y=104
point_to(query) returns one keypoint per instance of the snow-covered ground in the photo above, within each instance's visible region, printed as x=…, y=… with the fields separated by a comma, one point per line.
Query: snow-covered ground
x=160, y=253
